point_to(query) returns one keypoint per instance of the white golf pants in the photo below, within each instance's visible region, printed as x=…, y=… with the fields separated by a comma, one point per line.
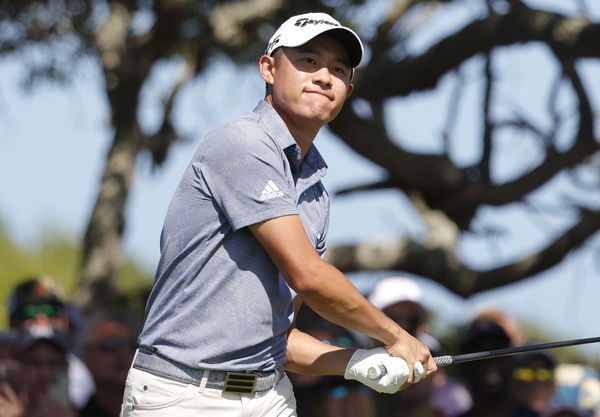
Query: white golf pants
x=148, y=395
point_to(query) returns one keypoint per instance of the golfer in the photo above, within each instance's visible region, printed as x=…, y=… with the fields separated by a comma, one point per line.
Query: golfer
x=241, y=246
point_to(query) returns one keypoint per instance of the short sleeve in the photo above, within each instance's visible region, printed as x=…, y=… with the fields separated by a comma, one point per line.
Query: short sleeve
x=247, y=175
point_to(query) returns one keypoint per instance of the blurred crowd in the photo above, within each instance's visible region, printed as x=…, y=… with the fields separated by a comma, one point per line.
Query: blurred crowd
x=535, y=384
x=54, y=361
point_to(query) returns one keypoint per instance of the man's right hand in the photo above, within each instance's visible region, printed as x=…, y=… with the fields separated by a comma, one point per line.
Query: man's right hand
x=412, y=351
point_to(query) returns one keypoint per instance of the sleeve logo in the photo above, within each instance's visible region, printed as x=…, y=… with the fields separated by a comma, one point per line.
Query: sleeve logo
x=270, y=191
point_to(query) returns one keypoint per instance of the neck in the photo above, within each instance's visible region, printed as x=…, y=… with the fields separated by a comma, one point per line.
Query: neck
x=303, y=131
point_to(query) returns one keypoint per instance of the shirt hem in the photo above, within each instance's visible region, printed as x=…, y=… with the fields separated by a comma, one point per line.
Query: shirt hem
x=239, y=223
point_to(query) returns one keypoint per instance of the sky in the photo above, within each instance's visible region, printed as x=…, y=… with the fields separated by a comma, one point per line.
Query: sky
x=53, y=144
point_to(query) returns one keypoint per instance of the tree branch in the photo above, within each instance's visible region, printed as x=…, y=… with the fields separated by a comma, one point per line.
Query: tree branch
x=160, y=143
x=488, y=129
x=443, y=267
x=569, y=36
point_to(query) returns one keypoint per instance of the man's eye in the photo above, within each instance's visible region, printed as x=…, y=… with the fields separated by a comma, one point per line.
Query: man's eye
x=339, y=70
x=309, y=60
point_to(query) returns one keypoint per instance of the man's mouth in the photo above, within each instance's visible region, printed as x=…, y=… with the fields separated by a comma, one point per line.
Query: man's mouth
x=321, y=93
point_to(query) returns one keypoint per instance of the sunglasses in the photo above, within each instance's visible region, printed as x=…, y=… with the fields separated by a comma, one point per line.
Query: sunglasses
x=114, y=344
x=531, y=375
x=342, y=391
x=34, y=310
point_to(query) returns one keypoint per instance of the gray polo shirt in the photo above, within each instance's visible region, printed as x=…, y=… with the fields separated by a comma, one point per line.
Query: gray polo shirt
x=218, y=301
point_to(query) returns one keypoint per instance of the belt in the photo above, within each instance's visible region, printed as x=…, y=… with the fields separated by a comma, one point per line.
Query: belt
x=236, y=382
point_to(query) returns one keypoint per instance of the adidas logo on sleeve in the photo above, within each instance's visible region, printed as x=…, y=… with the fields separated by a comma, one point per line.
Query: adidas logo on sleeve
x=270, y=191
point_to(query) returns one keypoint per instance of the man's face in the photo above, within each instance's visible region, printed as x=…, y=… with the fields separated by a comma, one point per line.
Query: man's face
x=311, y=82
x=492, y=377
x=534, y=383
x=109, y=352
x=408, y=314
x=42, y=363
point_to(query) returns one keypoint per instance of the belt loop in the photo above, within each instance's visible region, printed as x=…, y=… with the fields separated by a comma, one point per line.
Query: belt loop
x=203, y=381
x=276, y=379
x=134, y=357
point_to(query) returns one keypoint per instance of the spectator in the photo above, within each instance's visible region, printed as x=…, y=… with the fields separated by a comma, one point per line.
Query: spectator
x=450, y=395
x=578, y=385
x=489, y=380
x=510, y=326
x=11, y=403
x=400, y=299
x=39, y=302
x=533, y=383
x=564, y=411
x=109, y=347
x=339, y=397
x=7, y=344
x=42, y=352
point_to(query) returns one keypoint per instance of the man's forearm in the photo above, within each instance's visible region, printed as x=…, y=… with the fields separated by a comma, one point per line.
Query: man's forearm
x=309, y=356
x=335, y=298
x=322, y=286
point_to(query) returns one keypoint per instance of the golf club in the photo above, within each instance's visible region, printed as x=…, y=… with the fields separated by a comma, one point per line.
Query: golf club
x=446, y=360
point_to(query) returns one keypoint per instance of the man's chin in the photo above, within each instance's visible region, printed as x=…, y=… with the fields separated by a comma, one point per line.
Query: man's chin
x=322, y=115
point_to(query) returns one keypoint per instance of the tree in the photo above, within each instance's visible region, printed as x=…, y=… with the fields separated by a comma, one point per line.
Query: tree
x=129, y=39
x=57, y=257
x=447, y=196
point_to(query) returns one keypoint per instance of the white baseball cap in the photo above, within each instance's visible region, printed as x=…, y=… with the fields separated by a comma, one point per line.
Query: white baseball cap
x=393, y=290
x=298, y=30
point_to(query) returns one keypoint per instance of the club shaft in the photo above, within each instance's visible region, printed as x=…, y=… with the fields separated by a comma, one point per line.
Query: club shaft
x=475, y=356
x=441, y=361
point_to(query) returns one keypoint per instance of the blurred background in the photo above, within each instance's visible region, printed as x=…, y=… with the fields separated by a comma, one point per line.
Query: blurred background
x=467, y=158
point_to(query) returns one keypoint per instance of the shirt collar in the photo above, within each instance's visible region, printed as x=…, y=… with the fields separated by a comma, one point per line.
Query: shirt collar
x=314, y=159
x=276, y=129
x=273, y=124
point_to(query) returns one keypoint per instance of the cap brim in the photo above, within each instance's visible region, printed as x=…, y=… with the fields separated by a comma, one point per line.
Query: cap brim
x=351, y=42
x=347, y=37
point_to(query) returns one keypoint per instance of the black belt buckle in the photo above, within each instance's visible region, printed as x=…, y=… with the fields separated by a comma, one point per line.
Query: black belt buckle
x=240, y=382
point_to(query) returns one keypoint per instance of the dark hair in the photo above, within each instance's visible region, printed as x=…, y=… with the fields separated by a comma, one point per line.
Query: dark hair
x=483, y=334
x=125, y=317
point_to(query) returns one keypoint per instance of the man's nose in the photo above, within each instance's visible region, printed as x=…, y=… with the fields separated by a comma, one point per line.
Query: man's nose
x=322, y=76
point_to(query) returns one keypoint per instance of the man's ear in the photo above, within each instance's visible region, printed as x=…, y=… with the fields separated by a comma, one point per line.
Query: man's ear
x=349, y=90
x=266, y=67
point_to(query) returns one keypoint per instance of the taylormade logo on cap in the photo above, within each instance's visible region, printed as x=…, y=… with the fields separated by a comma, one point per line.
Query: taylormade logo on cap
x=298, y=30
x=306, y=21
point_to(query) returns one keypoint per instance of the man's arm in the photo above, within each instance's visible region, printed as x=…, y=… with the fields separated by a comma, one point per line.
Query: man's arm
x=328, y=292
x=309, y=356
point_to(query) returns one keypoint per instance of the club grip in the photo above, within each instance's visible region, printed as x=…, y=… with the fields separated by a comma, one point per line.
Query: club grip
x=376, y=372
x=442, y=361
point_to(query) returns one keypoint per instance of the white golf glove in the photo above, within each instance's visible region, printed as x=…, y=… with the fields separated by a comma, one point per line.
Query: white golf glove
x=396, y=370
